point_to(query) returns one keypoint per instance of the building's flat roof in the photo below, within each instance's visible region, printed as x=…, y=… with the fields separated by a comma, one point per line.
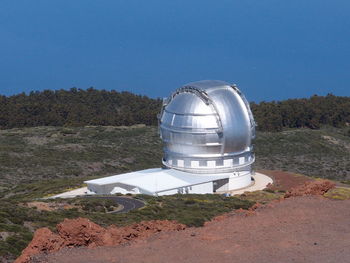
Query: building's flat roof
x=158, y=179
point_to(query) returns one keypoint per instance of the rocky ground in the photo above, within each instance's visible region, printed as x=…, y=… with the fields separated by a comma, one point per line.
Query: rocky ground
x=298, y=229
x=301, y=226
x=81, y=232
x=42, y=161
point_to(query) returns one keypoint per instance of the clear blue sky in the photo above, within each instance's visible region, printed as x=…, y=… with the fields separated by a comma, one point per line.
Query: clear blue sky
x=273, y=49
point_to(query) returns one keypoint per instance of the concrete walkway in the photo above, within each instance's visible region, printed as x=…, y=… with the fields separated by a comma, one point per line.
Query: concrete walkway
x=260, y=183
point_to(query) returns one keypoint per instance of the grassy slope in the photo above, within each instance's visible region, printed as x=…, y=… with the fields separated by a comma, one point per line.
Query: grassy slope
x=321, y=153
x=35, y=162
x=193, y=210
x=31, y=154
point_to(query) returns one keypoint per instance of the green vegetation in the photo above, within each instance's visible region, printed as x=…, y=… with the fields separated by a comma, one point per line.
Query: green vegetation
x=315, y=112
x=42, y=153
x=19, y=221
x=78, y=107
x=95, y=204
x=262, y=197
x=71, y=155
x=322, y=153
x=339, y=193
x=191, y=210
x=40, y=161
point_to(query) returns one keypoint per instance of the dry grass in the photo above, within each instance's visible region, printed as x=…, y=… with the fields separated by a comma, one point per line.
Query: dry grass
x=339, y=193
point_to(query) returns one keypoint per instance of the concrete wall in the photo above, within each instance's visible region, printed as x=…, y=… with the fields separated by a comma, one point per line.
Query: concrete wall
x=107, y=188
x=206, y=188
x=239, y=182
x=221, y=185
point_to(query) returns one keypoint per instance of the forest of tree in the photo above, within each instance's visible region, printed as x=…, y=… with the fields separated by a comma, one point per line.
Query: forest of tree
x=313, y=113
x=77, y=107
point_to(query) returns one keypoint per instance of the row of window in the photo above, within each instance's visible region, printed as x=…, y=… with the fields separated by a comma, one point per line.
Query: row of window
x=222, y=163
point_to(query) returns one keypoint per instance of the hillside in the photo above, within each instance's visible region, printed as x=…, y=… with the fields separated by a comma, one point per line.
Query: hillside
x=32, y=154
x=323, y=153
x=43, y=153
x=40, y=161
x=295, y=230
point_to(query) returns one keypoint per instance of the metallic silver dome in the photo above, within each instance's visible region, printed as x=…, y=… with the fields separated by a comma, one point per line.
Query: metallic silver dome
x=207, y=127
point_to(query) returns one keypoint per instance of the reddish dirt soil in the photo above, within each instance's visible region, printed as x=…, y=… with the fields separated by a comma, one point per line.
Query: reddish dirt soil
x=83, y=232
x=286, y=217
x=298, y=229
x=318, y=187
x=285, y=180
x=44, y=206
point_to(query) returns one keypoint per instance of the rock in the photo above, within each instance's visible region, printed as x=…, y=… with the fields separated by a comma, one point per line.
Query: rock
x=317, y=187
x=4, y=235
x=82, y=232
x=44, y=240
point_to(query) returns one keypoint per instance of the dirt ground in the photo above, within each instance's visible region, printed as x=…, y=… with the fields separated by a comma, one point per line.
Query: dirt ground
x=298, y=229
x=49, y=206
x=285, y=180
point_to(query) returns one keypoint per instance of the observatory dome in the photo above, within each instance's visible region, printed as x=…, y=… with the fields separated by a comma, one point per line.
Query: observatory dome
x=207, y=127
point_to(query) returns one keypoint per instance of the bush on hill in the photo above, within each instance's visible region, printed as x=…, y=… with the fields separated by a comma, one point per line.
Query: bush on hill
x=311, y=113
x=77, y=107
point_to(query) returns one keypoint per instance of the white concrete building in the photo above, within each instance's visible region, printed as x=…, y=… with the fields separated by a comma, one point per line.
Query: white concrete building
x=166, y=181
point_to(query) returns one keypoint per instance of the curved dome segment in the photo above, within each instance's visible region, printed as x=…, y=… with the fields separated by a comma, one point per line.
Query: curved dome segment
x=234, y=117
x=194, y=105
x=207, y=127
x=207, y=84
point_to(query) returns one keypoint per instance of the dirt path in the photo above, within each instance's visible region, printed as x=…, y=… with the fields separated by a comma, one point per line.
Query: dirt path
x=301, y=229
x=285, y=180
